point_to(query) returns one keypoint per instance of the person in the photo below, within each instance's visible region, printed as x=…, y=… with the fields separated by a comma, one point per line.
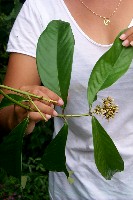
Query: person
x=95, y=24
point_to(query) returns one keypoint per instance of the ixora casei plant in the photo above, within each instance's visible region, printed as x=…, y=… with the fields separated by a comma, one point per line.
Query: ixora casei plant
x=54, y=61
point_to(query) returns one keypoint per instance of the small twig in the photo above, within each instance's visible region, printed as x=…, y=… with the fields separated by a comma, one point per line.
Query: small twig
x=37, y=108
x=16, y=102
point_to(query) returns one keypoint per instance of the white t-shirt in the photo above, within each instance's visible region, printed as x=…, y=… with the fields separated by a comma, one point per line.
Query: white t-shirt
x=89, y=184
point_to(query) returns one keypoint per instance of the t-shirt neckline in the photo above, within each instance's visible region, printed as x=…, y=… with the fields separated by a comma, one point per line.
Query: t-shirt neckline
x=81, y=31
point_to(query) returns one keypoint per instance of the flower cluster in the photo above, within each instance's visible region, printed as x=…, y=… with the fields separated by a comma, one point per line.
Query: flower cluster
x=108, y=109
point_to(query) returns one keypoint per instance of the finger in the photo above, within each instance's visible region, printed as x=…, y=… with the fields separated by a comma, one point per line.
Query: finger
x=43, y=108
x=127, y=33
x=43, y=92
x=52, y=95
x=131, y=43
x=126, y=43
x=37, y=92
x=36, y=117
x=130, y=39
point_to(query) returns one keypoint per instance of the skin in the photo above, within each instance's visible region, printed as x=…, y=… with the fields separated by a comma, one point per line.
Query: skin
x=127, y=37
x=93, y=25
x=20, y=64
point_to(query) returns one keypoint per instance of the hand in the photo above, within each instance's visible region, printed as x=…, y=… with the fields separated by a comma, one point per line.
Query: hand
x=127, y=37
x=46, y=108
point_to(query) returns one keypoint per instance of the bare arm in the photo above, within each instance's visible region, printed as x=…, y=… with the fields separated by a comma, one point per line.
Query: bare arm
x=21, y=70
x=22, y=74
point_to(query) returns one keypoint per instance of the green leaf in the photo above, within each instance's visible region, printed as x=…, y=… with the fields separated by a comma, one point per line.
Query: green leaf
x=55, y=56
x=109, y=68
x=107, y=157
x=54, y=158
x=7, y=102
x=11, y=150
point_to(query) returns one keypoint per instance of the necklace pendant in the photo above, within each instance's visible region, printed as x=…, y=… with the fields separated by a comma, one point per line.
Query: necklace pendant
x=106, y=21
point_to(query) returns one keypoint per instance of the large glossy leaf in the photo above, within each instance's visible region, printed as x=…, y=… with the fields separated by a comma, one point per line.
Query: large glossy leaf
x=107, y=157
x=54, y=158
x=109, y=68
x=11, y=150
x=7, y=102
x=55, y=56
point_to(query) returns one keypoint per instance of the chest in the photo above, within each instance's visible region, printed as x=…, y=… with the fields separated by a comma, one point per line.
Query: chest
x=94, y=26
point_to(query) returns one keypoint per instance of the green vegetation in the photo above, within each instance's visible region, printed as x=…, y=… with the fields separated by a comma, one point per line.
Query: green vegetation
x=33, y=145
x=109, y=68
x=8, y=12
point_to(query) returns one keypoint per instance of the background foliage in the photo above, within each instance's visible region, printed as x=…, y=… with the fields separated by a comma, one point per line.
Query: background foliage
x=8, y=12
x=34, y=144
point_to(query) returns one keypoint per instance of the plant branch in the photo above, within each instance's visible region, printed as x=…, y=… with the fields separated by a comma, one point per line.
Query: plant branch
x=77, y=115
x=28, y=107
x=37, y=108
x=16, y=102
x=27, y=93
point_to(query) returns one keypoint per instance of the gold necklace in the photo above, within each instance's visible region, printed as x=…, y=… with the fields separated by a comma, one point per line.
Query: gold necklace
x=106, y=20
